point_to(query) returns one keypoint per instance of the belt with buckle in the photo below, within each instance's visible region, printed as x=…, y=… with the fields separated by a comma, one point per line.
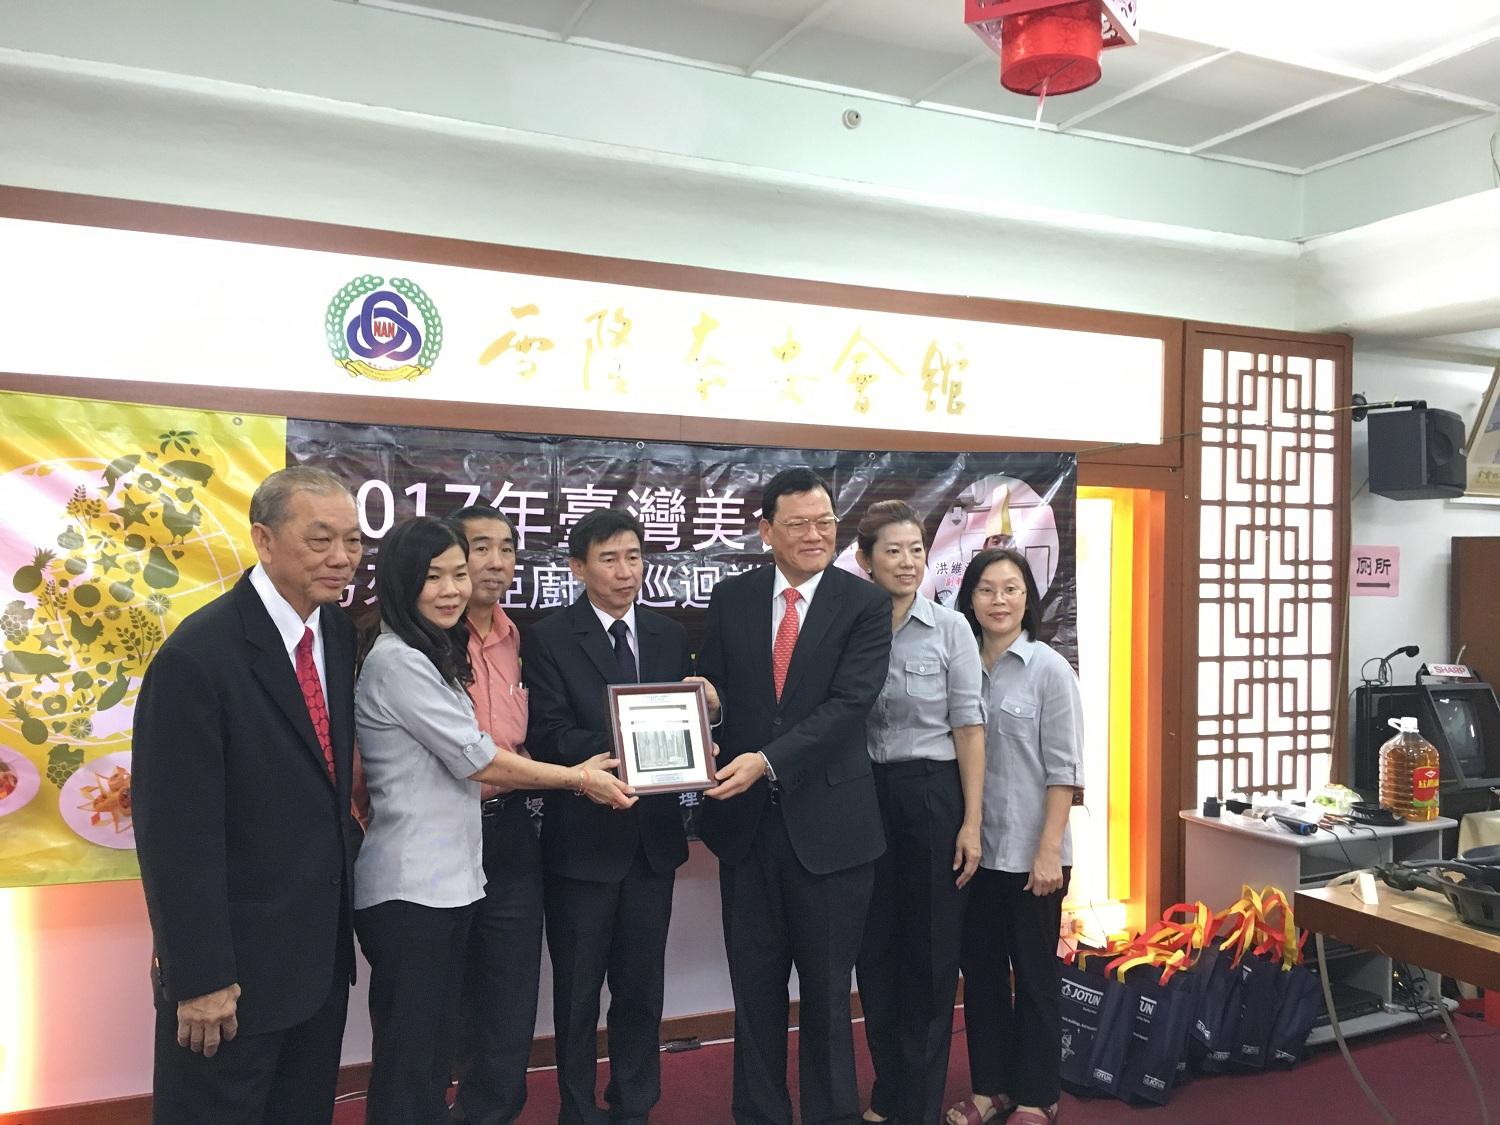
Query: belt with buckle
x=494, y=804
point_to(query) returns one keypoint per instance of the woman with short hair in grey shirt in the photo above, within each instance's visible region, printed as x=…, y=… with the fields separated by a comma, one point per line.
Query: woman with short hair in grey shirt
x=419, y=871
x=927, y=743
x=1033, y=766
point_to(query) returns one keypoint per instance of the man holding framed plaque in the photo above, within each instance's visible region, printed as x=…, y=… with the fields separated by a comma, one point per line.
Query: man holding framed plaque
x=609, y=873
x=798, y=652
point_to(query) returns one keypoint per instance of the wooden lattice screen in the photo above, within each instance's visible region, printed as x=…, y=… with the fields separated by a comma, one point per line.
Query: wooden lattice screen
x=1270, y=544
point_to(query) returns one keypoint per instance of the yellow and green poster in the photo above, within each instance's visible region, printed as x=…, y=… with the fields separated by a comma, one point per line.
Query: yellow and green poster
x=116, y=522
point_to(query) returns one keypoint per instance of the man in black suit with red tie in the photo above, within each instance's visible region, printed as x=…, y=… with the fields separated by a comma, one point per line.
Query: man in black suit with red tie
x=798, y=652
x=609, y=873
x=243, y=740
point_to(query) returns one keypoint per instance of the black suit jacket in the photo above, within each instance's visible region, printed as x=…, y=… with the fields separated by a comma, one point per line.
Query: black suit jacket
x=245, y=847
x=567, y=661
x=814, y=737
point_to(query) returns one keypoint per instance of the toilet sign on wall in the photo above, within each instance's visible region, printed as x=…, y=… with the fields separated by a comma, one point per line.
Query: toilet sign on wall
x=1375, y=572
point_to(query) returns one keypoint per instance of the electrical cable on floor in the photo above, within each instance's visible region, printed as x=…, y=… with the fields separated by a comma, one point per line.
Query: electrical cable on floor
x=1338, y=1035
x=1463, y=1053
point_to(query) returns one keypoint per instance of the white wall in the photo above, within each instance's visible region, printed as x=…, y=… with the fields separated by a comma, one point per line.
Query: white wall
x=1421, y=528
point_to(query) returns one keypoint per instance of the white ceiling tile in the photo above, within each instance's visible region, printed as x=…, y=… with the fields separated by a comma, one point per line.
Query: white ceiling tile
x=723, y=32
x=1474, y=74
x=1124, y=68
x=1361, y=120
x=1217, y=98
x=920, y=25
x=550, y=16
x=1370, y=35
x=791, y=11
x=820, y=55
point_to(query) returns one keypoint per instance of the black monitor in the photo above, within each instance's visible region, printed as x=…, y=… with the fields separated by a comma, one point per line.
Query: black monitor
x=1469, y=723
x=1461, y=719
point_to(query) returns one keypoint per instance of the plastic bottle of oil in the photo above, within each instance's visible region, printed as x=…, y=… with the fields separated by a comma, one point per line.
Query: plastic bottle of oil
x=1409, y=773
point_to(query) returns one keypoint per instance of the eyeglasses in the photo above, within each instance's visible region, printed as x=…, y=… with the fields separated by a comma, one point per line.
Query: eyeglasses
x=825, y=525
x=990, y=593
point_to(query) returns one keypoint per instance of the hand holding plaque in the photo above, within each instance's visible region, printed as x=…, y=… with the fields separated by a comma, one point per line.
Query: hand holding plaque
x=599, y=785
x=661, y=734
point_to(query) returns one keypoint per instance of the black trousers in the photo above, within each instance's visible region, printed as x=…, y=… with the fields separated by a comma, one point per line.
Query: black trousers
x=615, y=932
x=277, y=1078
x=1014, y=1035
x=416, y=956
x=778, y=914
x=908, y=964
x=497, y=1006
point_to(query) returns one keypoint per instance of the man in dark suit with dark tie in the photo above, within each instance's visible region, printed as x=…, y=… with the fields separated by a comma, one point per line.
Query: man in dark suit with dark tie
x=243, y=741
x=798, y=652
x=609, y=872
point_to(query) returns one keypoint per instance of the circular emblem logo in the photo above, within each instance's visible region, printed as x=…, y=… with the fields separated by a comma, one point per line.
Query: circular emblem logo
x=381, y=331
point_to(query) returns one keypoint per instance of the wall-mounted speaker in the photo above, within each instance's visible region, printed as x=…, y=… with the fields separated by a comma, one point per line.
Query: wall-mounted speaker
x=1417, y=454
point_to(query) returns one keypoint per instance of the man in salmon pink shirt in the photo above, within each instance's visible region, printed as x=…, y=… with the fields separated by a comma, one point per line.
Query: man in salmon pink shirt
x=499, y=998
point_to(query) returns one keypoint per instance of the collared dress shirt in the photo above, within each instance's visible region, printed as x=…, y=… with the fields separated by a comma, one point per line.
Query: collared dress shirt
x=420, y=744
x=606, y=620
x=932, y=687
x=499, y=698
x=778, y=603
x=1033, y=739
x=779, y=586
x=289, y=625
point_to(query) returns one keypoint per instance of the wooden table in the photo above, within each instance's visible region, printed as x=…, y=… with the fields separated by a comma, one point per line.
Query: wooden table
x=1443, y=945
x=1439, y=944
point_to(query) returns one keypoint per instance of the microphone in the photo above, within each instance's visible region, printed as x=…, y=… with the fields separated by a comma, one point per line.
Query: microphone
x=1385, y=661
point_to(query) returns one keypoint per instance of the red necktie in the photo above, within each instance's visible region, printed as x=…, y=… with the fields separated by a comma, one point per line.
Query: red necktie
x=312, y=692
x=786, y=639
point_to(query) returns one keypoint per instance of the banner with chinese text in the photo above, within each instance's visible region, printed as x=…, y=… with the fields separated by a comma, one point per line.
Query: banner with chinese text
x=116, y=522
x=699, y=504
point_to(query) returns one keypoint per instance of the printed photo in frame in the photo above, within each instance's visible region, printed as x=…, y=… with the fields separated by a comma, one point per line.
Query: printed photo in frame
x=662, y=736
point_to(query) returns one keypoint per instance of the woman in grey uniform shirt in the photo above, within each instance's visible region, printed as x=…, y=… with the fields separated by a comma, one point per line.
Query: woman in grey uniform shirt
x=419, y=871
x=927, y=743
x=1033, y=766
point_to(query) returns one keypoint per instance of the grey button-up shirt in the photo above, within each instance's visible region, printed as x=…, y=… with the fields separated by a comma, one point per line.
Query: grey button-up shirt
x=1033, y=738
x=931, y=687
x=419, y=743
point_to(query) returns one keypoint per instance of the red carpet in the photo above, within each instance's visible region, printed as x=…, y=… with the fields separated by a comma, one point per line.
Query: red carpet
x=1420, y=1079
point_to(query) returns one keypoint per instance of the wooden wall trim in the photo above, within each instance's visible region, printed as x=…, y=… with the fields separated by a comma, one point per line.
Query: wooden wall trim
x=376, y=411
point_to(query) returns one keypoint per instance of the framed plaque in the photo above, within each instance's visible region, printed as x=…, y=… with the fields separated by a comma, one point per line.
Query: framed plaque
x=662, y=736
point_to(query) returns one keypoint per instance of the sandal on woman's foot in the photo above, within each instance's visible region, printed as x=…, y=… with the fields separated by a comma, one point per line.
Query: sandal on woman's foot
x=877, y=1119
x=970, y=1114
x=1046, y=1116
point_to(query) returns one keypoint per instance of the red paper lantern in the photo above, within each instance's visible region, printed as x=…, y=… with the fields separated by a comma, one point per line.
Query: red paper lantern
x=1054, y=51
x=1051, y=46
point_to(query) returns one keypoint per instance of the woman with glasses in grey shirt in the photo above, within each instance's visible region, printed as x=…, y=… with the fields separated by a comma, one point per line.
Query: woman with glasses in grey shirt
x=1033, y=766
x=927, y=743
x=419, y=871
